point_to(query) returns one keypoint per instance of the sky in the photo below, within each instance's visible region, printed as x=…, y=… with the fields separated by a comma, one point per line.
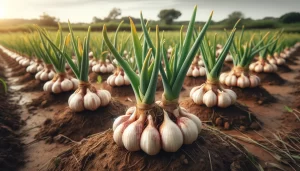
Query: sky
x=85, y=10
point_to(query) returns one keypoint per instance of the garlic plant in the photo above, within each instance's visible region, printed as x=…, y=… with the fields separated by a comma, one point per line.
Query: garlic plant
x=195, y=70
x=118, y=78
x=274, y=54
x=263, y=65
x=211, y=93
x=35, y=66
x=243, y=51
x=86, y=97
x=147, y=126
x=61, y=81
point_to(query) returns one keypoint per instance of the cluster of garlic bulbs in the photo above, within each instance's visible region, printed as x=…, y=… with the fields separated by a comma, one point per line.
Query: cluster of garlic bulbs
x=240, y=78
x=103, y=67
x=276, y=59
x=195, y=70
x=263, y=66
x=24, y=62
x=46, y=73
x=61, y=83
x=92, y=62
x=87, y=97
x=228, y=56
x=35, y=67
x=134, y=133
x=213, y=95
x=119, y=78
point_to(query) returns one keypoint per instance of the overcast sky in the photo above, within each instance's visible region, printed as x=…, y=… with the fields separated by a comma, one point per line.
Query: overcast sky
x=84, y=10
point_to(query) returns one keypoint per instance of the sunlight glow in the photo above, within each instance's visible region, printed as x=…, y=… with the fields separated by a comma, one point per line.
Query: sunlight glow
x=2, y=12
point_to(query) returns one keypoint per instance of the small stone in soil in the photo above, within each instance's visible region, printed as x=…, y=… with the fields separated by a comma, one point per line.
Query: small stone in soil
x=226, y=125
x=219, y=121
x=31, y=108
x=260, y=102
x=185, y=161
x=242, y=128
x=254, y=126
x=44, y=103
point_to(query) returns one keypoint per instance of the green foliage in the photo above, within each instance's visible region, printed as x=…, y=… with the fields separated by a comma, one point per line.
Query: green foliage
x=292, y=17
x=168, y=15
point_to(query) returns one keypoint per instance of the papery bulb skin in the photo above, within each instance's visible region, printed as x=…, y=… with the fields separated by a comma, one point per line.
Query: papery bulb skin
x=150, y=139
x=130, y=110
x=120, y=120
x=103, y=69
x=132, y=134
x=254, y=81
x=252, y=66
x=171, y=136
x=66, y=85
x=232, y=95
x=51, y=74
x=190, y=72
x=75, y=83
x=188, y=128
x=222, y=78
x=104, y=96
x=76, y=102
x=268, y=68
x=56, y=87
x=111, y=80
x=210, y=99
x=38, y=75
x=118, y=132
x=91, y=101
x=40, y=68
x=224, y=100
x=202, y=71
x=48, y=86
x=195, y=72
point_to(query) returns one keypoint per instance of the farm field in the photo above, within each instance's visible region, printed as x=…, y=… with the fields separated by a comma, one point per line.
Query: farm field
x=192, y=99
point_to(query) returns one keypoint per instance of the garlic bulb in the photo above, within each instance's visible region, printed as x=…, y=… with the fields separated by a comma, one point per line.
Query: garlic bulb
x=119, y=78
x=188, y=128
x=34, y=68
x=118, y=132
x=46, y=74
x=104, y=96
x=276, y=59
x=238, y=78
x=171, y=135
x=76, y=102
x=196, y=71
x=150, y=138
x=103, y=68
x=60, y=84
x=206, y=94
x=262, y=66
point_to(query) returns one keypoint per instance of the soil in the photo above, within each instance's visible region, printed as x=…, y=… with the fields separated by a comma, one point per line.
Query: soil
x=101, y=153
x=118, y=91
x=47, y=99
x=77, y=126
x=192, y=81
x=258, y=94
x=235, y=116
x=284, y=68
x=270, y=78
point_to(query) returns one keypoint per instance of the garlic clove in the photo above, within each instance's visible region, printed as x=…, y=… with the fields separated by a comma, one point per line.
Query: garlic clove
x=104, y=96
x=112, y=80
x=51, y=75
x=37, y=75
x=66, y=85
x=202, y=71
x=233, y=80
x=103, y=69
x=44, y=76
x=91, y=101
x=258, y=68
x=56, y=87
x=196, y=72
x=76, y=102
x=126, y=79
x=194, y=89
x=130, y=110
x=171, y=136
x=188, y=128
x=210, y=98
x=228, y=80
x=198, y=96
x=132, y=134
x=118, y=132
x=268, y=68
x=75, y=83
x=194, y=118
x=223, y=77
x=224, y=100
x=232, y=95
x=119, y=81
x=120, y=120
x=48, y=86
x=190, y=72
x=150, y=138
x=252, y=66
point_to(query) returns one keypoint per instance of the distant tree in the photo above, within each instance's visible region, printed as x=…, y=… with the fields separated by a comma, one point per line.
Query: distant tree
x=96, y=19
x=234, y=17
x=114, y=13
x=168, y=15
x=47, y=20
x=292, y=17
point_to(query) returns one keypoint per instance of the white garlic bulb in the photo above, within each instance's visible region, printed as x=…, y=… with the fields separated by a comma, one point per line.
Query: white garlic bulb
x=91, y=100
x=210, y=98
x=56, y=87
x=76, y=102
x=188, y=128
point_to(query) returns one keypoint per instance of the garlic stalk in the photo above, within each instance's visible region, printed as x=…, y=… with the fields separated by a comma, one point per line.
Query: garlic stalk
x=239, y=77
x=118, y=78
x=61, y=83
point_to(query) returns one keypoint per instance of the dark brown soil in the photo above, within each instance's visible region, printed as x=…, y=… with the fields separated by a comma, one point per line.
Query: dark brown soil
x=258, y=94
x=23, y=79
x=227, y=67
x=48, y=99
x=11, y=148
x=118, y=91
x=289, y=61
x=270, y=78
x=33, y=85
x=284, y=68
x=101, y=153
x=192, y=81
x=77, y=126
x=235, y=116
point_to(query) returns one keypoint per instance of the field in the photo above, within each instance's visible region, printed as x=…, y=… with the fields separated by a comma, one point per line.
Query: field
x=43, y=127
